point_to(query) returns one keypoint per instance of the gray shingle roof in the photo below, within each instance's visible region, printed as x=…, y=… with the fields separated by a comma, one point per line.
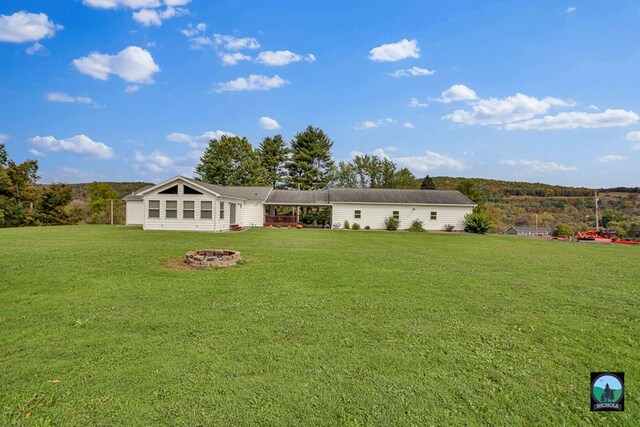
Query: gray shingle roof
x=134, y=196
x=399, y=196
x=299, y=197
x=247, y=193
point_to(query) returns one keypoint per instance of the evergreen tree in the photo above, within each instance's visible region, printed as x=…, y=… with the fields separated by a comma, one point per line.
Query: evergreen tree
x=310, y=165
x=273, y=154
x=427, y=184
x=469, y=189
x=404, y=179
x=17, y=190
x=231, y=161
x=52, y=205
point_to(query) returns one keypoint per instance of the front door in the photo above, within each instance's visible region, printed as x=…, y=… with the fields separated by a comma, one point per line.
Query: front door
x=232, y=213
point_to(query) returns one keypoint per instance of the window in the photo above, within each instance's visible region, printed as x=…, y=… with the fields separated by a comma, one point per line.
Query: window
x=396, y=214
x=221, y=210
x=434, y=215
x=189, y=190
x=170, y=190
x=357, y=214
x=205, y=210
x=188, y=209
x=171, y=209
x=154, y=208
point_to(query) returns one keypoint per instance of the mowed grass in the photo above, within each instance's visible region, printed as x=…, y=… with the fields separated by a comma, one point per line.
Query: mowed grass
x=317, y=328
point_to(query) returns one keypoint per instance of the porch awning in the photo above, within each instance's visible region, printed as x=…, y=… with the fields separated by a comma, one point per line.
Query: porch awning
x=298, y=197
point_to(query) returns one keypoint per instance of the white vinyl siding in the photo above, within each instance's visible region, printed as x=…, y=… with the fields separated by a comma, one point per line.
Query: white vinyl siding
x=135, y=212
x=373, y=215
x=252, y=214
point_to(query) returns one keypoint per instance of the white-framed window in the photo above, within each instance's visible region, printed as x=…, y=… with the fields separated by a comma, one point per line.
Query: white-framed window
x=188, y=209
x=396, y=214
x=171, y=209
x=434, y=215
x=221, y=210
x=357, y=214
x=206, y=210
x=154, y=209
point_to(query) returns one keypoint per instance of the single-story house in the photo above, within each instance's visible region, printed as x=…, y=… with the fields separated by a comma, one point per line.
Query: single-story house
x=183, y=203
x=524, y=230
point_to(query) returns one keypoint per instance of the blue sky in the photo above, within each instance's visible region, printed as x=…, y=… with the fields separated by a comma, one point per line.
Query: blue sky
x=131, y=89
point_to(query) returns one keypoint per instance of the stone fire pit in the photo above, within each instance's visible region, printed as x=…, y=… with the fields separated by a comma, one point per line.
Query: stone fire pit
x=213, y=258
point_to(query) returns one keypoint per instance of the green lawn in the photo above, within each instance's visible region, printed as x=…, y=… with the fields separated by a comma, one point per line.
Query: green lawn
x=317, y=328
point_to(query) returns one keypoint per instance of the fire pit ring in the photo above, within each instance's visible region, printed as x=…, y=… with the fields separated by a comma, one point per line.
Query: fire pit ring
x=208, y=258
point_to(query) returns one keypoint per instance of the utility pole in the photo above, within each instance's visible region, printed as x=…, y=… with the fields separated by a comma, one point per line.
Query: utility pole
x=597, y=220
x=536, y=224
x=111, y=211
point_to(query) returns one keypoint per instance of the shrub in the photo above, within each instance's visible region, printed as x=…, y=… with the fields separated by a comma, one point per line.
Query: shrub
x=562, y=230
x=366, y=227
x=449, y=228
x=355, y=226
x=346, y=224
x=391, y=223
x=417, y=225
x=477, y=222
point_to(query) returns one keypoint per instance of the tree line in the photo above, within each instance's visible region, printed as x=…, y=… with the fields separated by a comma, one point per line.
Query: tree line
x=24, y=203
x=305, y=163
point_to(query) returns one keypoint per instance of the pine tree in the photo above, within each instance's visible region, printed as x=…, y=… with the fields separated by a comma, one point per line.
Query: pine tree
x=273, y=154
x=231, y=161
x=427, y=184
x=310, y=165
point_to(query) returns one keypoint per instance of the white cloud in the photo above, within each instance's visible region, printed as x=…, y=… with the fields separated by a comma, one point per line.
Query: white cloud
x=268, y=123
x=574, y=119
x=165, y=164
x=131, y=89
x=282, y=57
x=133, y=64
x=457, y=93
x=539, y=166
x=495, y=111
x=79, y=144
x=3, y=138
x=392, y=52
x=131, y=4
x=570, y=9
x=192, y=30
x=67, y=174
x=424, y=163
x=149, y=17
x=64, y=97
x=412, y=72
x=251, y=83
x=611, y=158
x=636, y=146
x=368, y=124
x=234, y=58
x=36, y=152
x=414, y=103
x=408, y=125
x=235, y=43
x=633, y=136
x=174, y=3
x=36, y=48
x=26, y=27
x=197, y=141
x=593, y=107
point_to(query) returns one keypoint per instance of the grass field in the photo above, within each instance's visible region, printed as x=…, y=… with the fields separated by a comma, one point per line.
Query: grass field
x=317, y=328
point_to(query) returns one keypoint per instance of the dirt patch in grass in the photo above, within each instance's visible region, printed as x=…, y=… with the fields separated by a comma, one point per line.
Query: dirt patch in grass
x=180, y=265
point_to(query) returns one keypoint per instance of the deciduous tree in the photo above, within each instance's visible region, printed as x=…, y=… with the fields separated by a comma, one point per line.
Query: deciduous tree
x=231, y=160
